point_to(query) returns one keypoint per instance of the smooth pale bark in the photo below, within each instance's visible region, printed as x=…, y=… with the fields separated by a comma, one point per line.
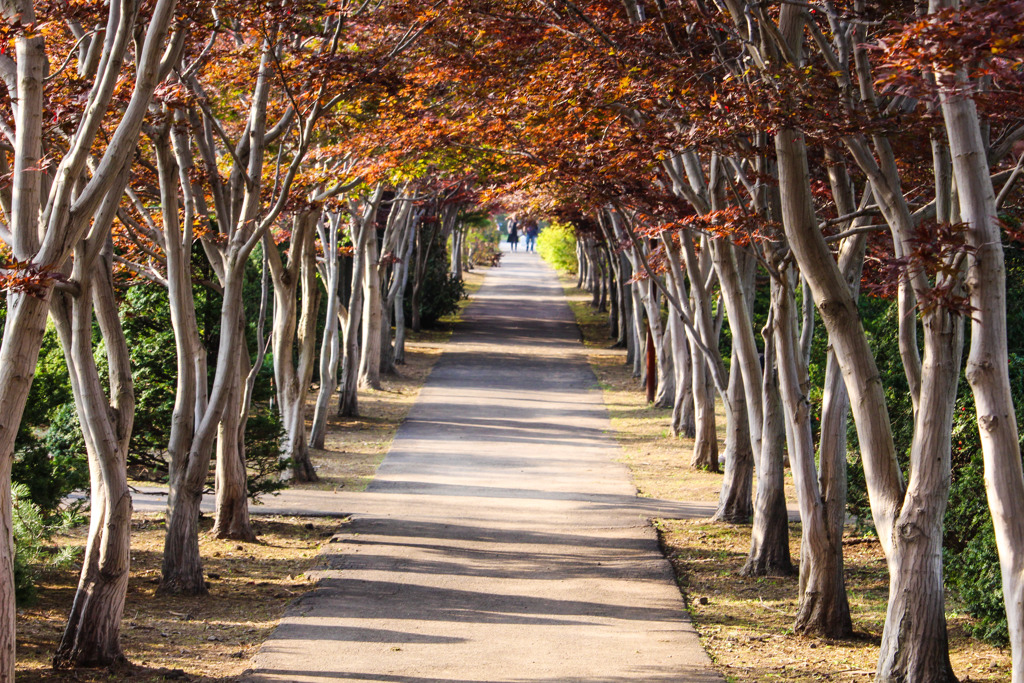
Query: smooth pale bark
x=182, y=571
x=391, y=271
x=612, y=293
x=402, y=283
x=294, y=336
x=736, y=277
x=242, y=224
x=663, y=362
x=678, y=347
x=46, y=238
x=330, y=346
x=92, y=634
x=705, y=440
x=455, y=257
x=912, y=642
x=815, y=614
x=363, y=222
x=645, y=300
x=191, y=398
x=581, y=264
x=242, y=220
x=838, y=310
x=639, y=332
x=705, y=443
x=682, y=366
x=735, y=504
x=621, y=295
x=823, y=608
x=231, y=494
x=987, y=362
x=182, y=567
x=369, y=361
x=23, y=335
x=769, y=535
x=699, y=272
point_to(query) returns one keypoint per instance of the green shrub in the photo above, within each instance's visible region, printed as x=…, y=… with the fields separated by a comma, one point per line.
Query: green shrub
x=145, y=313
x=440, y=292
x=556, y=244
x=969, y=544
x=482, y=239
x=32, y=533
x=970, y=558
x=264, y=432
x=55, y=465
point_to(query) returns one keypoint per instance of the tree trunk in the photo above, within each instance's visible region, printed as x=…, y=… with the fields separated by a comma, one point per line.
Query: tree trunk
x=330, y=347
x=823, y=608
x=683, y=380
x=417, y=277
x=231, y=518
x=48, y=246
x=705, y=443
x=294, y=335
x=838, y=311
x=911, y=643
x=734, y=501
x=302, y=466
x=92, y=634
x=914, y=642
x=182, y=567
x=987, y=362
x=639, y=332
x=769, y=536
x=399, y=298
x=394, y=263
x=23, y=335
x=820, y=607
x=369, y=362
x=736, y=276
x=363, y=221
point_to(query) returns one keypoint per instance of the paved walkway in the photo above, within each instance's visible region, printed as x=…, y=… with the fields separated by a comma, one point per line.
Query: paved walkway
x=500, y=540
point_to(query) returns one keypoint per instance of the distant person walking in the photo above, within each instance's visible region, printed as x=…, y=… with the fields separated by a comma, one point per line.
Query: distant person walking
x=531, y=236
x=513, y=235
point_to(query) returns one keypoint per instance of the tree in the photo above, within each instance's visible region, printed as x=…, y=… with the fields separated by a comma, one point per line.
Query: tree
x=45, y=221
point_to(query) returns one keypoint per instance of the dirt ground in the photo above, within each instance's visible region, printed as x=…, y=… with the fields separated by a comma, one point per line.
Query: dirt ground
x=212, y=638
x=173, y=638
x=746, y=624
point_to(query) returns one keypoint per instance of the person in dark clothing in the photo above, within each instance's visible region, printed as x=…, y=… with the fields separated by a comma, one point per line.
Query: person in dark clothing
x=531, y=236
x=513, y=235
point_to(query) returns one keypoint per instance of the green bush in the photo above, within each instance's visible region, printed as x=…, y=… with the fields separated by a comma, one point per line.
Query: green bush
x=969, y=543
x=32, y=533
x=440, y=293
x=264, y=432
x=482, y=239
x=49, y=453
x=55, y=465
x=970, y=558
x=556, y=244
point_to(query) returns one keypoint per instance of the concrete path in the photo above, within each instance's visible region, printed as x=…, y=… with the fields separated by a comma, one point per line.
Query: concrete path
x=500, y=540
